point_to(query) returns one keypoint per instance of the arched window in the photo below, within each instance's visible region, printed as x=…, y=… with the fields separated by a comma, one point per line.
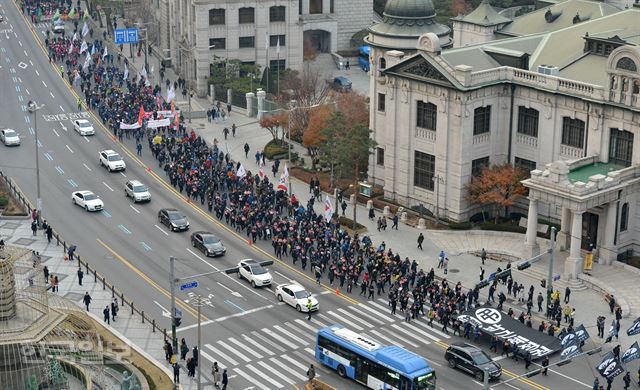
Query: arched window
x=383, y=63
x=626, y=63
x=624, y=217
x=246, y=15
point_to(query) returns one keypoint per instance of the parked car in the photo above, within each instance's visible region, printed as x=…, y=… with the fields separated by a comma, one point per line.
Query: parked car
x=473, y=360
x=58, y=27
x=341, y=84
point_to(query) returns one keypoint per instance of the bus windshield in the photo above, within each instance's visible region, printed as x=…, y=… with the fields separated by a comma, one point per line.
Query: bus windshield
x=425, y=382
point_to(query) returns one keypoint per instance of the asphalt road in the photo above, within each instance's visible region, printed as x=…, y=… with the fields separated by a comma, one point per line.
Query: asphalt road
x=264, y=343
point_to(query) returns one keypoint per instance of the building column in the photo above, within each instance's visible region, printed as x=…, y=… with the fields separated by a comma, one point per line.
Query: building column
x=609, y=251
x=563, y=234
x=531, y=245
x=573, y=264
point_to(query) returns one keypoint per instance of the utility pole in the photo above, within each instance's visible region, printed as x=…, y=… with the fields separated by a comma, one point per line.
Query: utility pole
x=438, y=179
x=551, y=259
x=292, y=104
x=33, y=109
x=172, y=276
x=199, y=303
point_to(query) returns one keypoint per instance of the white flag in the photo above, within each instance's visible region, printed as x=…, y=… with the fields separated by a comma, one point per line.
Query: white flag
x=151, y=71
x=83, y=47
x=93, y=49
x=171, y=94
x=328, y=208
x=75, y=36
x=87, y=62
x=241, y=172
x=126, y=72
x=104, y=53
x=278, y=47
x=266, y=42
x=77, y=78
x=85, y=29
x=70, y=47
x=283, y=182
x=143, y=73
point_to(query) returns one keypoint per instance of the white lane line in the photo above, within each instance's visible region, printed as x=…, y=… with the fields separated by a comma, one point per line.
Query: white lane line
x=86, y=138
x=28, y=93
x=432, y=329
x=20, y=42
x=399, y=329
x=257, y=345
x=304, y=324
x=261, y=374
x=566, y=376
x=45, y=84
x=134, y=209
x=122, y=173
x=425, y=334
x=353, y=317
x=291, y=335
x=260, y=337
x=31, y=62
x=235, y=351
x=276, y=373
x=319, y=323
x=397, y=336
x=340, y=319
x=385, y=338
x=52, y=96
x=300, y=331
x=245, y=348
x=250, y=379
x=280, y=339
x=86, y=166
x=38, y=73
x=25, y=53
x=221, y=354
x=293, y=361
x=210, y=358
x=107, y=185
x=381, y=315
x=56, y=133
x=287, y=369
x=365, y=315
x=161, y=229
x=69, y=149
x=61, y=109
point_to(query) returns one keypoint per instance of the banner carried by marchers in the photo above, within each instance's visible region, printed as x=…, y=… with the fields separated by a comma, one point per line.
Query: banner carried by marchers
x=155, y=123
x=634, y=329
x=130, y=126
x=610, y=367
x=630, y=354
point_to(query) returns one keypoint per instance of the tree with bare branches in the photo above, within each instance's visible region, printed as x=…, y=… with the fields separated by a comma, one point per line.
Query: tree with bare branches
x=498, y=185
x=275, y=125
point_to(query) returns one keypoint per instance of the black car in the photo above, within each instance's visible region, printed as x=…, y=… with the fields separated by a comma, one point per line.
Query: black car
x=473, y=360
x=173, y=219
x=209, y=244
x=342, y=84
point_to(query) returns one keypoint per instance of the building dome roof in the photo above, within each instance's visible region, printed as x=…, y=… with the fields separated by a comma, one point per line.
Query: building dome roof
x=409, y=9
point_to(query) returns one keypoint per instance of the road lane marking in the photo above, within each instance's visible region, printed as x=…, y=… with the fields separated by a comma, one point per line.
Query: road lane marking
x=47, y=155
x=253, y=380
x=306, y=325
x=59, y=169
x=221, y=354
x=122, y=173
x=63, y=126
x=61, y=108
x=291, y=335
x=107, y=185
x=40, y=144
x=52, y=95
x=406, y=332
x=245, y=348
x=228, y=302
x=286, y=368
x=54, y=130
x=86, y=138
x=45, y=84
x=273, y=372
x=367, y=308
x=355, y=318
x=263, y=375
x=257, y=345
x=294, y=362
x=378, y=335
x=426, y=334
x=20, y=43
x=162, y=230
x=69, y=149
x=105, y=213
x=339, y=318
x=72, y=183
x=145, y=246
x=124, y=229
x=28, y=93
x=31, y=131
x=134, y=209
x=37, y=73
x=279, y=338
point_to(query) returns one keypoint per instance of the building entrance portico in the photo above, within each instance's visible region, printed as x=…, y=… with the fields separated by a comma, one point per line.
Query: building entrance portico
x=590, y=194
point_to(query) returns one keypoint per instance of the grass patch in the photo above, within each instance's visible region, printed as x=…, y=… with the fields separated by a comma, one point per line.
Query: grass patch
x=275, y=148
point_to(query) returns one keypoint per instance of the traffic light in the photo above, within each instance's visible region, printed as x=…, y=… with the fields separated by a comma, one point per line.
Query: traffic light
x=177, y=321
x=523, y=266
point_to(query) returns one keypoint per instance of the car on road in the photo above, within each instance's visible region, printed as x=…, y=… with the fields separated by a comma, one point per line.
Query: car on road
x=473, y=360
x=9, y=137
x=83, y=127
x=208, y=244
x=112, y=161
x=87, y=200
x=137, y=191
x=342, y=84
x=296, y=296
x=173, y=219
x=254, y=273
x=58, y=27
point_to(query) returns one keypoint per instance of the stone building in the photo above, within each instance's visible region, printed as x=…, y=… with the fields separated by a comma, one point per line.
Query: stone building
x=563, y=105
x=195, y=34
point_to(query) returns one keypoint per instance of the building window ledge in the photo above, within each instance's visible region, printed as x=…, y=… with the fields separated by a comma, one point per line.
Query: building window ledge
x=527, y=140
x=571, y=152
x=481, y=138
x=426, y=134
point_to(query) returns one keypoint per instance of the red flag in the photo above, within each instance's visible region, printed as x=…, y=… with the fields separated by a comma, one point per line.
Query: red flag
x=141, y=115
x=159, y=102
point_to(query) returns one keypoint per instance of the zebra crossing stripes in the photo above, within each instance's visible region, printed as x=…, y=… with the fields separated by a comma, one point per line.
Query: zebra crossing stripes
x=271, y=371
x=299, y=331
x=406, y=332
x=295, y=362
x=422, y=332
x=245, y=348
x=353, y=317
x=257, y=345
x=235, y=351
x=251, y=379
x=340, y=319
x=294, y=337
x=319, y=323
x=279, y=338
x=271, y=343
x=394, y=335
x=221, y=354
x=368, y=315
x=265, y=377
x=313, y=330
x=432, y=329
x=210, y=358
x=284, y=367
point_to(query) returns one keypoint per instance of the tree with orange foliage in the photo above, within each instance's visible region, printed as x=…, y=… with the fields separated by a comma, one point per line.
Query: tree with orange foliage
x=354, y=107
x=498, y=185
x=275, y=124
x=313, y=137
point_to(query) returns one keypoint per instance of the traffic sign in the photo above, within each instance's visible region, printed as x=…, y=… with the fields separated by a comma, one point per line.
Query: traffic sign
x=189, y=285
x=126, y=35
x=556, y=278
x=178, y=313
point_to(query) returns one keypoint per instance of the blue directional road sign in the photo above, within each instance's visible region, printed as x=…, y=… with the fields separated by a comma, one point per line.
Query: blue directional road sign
x=189, y=285
x=126, y=35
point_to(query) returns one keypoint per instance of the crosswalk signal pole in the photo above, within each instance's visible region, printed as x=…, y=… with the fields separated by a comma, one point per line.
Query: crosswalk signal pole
x=174, y=339
x=550, y=273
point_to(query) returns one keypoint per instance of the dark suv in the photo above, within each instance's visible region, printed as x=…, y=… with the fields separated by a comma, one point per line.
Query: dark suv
x=473, y=360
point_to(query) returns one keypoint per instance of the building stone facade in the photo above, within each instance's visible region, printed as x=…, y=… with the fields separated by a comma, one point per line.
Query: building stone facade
x=569, y=114
x=193, y=34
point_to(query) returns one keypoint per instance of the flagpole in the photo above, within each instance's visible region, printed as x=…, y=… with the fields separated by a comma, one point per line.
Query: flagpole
x=278, y=66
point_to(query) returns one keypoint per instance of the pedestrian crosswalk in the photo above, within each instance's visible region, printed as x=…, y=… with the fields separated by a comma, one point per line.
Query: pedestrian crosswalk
x=278, y=356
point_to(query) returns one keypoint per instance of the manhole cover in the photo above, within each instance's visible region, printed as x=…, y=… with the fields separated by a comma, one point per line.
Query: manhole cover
x=454, y=270
x=24, y=241
x=10, y=225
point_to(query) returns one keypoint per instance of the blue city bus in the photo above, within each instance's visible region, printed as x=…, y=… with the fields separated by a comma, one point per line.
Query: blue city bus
x=363, y=57
x=370, y=363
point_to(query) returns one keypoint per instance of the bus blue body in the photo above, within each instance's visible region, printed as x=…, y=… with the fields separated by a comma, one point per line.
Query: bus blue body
x=363, y=57
x=370, y=363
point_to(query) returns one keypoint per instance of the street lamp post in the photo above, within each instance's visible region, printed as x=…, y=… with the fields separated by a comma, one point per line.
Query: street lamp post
x=438, y=180
x=33, y=108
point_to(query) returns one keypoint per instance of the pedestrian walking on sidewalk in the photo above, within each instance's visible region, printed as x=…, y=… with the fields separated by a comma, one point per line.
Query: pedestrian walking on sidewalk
x=545, y=365
x=233, y=129
x=184, y=349
x=86, y=300
x=395, y=222
x=483, y=255
x=49, y=233
x=215, y=373
x=246, y=150
x=114, y=309
x=107, y=317
x=176, y=372
x=34, y=227
x=80, y=276
x=420, y=241
x=225, y=379
x=311, y=374
x=54, y=285
x=45, y=270
x=567, y=294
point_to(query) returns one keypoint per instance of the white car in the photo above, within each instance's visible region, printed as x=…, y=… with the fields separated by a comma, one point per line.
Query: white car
x=58, y=27
x=251, y=270
x=112, y=161
x=296, y=296
x=9, y=137
x=83, y=127
x=137, y=191
x=87, y=200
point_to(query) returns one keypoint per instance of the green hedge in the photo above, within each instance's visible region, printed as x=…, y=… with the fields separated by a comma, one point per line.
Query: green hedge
x=4, y=201
x=459, y=225
x=274, y=148
x=503, y=227
x=347, y=222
